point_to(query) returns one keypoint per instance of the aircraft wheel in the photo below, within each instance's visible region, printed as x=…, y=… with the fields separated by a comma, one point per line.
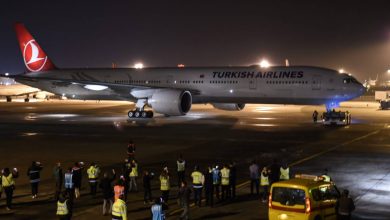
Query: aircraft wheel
x=130, y=114
x=26, y=100
x=137, y=114
x=144, y=114
x=9, y=99
x=150, y=114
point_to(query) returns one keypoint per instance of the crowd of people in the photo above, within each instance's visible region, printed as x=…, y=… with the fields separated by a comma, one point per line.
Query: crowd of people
x=215, y=183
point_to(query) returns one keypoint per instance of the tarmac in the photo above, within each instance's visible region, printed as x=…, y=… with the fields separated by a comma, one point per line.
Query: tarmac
x=357, y=156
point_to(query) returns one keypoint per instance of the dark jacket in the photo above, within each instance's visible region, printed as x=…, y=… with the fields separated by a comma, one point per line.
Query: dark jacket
x=146, y=181
x=106, y=186
x=34, y=173
x=58, y=175
x=76, y=176
x=208, y=181
x=345, y=206
x=184, y=195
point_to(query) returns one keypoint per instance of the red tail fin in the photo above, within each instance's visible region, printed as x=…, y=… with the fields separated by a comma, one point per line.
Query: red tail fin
x=34, y=57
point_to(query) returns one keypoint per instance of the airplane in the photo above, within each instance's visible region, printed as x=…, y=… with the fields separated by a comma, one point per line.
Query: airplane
x=172, y=91
x=9, y=88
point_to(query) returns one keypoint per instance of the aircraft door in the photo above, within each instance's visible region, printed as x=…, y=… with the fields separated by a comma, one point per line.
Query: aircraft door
x=253, y=83
x=316, y=83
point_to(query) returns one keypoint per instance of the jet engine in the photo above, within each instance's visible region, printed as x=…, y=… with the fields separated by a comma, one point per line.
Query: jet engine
x=171, y=102
x=229, y=106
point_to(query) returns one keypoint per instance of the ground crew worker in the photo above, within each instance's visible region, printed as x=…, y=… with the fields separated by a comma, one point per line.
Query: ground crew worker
x=184, y=200
x=69, y=187
x=233, y=180
x=225, y=178
x=345, y=206
x=181, y=167
x=93, y=175
x=165, y=185
x=284, y=172
x=315, y=116
x=119, y=209
x=77, y=176
x=209, y=187
x=158, y=209
x=216, y=181
x=197, y=185
x=33, y=173
x=62, y=207
x=131, y=150
x=325, y=176
x=107, y=190
x=274, y=172
x=126, y=173
x=119, y=189
x=264, y=183
x=7, y=180
x=348, y=117
x=254, y=174
x=133, y=176
x=147, y=177
x=58, y=177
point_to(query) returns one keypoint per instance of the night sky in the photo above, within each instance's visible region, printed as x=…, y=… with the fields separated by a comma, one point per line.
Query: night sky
x=354, y=35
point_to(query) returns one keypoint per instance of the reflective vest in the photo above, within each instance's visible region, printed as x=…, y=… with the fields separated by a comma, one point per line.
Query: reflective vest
x=93, y=173
x=62, y=208
x=119, y=209
x=68, y=181
x=181, y=166
x=326, y=178
x=157, y=212
x=197, y=178
x=134, y=171
x=264, y=180
x=164, y=181
x=118, y=190
x=225, y=173
x=284, y=173
x=216, y=176
x=7, y=181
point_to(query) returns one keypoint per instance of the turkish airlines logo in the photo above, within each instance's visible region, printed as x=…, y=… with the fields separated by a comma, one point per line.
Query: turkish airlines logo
x=32, y=56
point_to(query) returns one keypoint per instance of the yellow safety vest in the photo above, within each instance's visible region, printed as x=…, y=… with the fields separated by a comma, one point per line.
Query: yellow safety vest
x=164, y=183
x=181, y=166
x=8, y=181
x=264, y=180
x=62, y=208
x=284, y=173
x=196, y=177
x=93, y=172
x=119, y=209
x=326, y=178
x=134, y=171
x=225, y=174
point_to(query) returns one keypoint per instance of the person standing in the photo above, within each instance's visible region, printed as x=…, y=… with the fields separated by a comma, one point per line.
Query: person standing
x=209, y=187
x=62, y=207
x=108, y=192
x=131, y=150
x=184, y=200
x=216, y=181
x=77, y=175
x=133, y=176
x=93, y=175
x=254, y=174
x=225, y=184
x=69, y=188
x=1, y=184
x=8, y=182
x=197, y=184
x=158, y=209
x=165, y=185
x=345, y=206
x=315, y=116
x=181, y=167
x=264, y=183
x=274, y=172
x=126, y=173
x=58, y=177
x=233, y=180
x=284, y=172
x=119, y=209
x=325, y=176
x=33, y=173
x=147, y=178
x=119, y=188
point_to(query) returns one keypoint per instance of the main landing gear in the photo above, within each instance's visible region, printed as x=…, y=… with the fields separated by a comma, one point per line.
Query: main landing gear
x=140, y=112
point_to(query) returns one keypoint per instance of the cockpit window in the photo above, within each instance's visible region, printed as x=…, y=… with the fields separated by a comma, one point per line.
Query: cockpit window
x=350, y=80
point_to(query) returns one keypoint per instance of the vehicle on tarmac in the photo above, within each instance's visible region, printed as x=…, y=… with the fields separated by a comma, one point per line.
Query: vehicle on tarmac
x=305, y=197
x=336, y=118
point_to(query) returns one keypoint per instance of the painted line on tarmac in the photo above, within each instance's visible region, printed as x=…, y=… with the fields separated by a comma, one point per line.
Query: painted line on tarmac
x=241, y=185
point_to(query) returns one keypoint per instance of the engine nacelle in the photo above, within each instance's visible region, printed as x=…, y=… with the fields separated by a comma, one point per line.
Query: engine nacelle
x=171, y=102
x=40, y=95
x=228, y=106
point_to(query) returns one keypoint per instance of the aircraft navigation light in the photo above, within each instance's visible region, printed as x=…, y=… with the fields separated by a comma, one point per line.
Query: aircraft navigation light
x=6, y=74
x=138, y=65
x=264, y=63
x=341, y=70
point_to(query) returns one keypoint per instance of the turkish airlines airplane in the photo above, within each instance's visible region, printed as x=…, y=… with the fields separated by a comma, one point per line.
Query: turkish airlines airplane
x=172, y=91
